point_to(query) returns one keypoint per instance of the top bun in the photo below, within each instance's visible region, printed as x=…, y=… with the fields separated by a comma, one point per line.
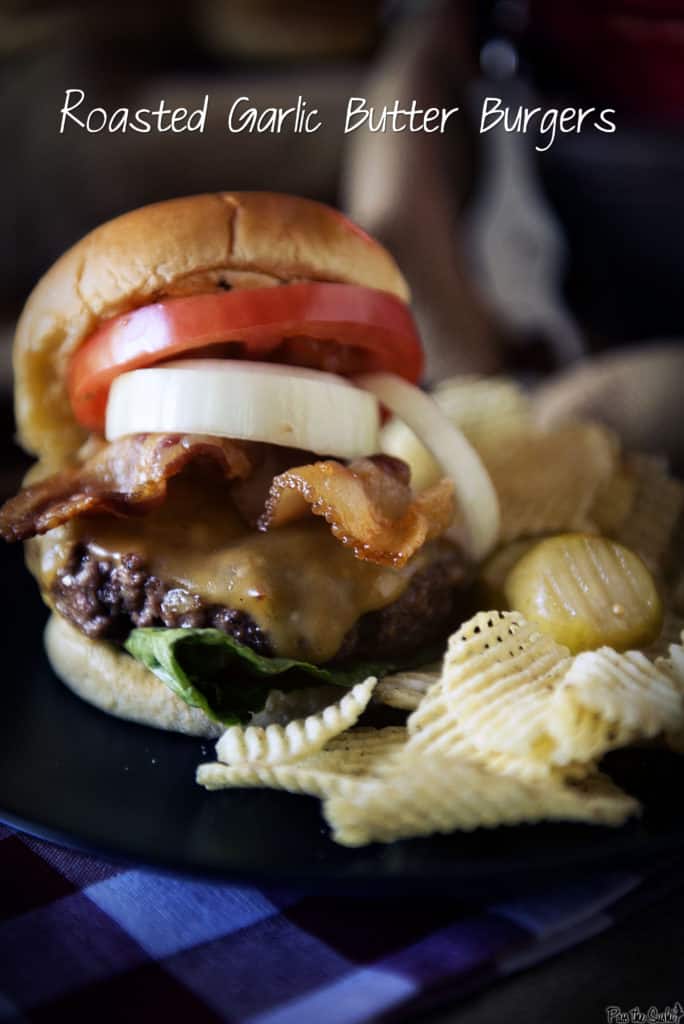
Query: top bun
x=180, y=247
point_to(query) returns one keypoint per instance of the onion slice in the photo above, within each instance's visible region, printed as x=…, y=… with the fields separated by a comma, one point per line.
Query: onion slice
x=458, y=459
x=282, y=405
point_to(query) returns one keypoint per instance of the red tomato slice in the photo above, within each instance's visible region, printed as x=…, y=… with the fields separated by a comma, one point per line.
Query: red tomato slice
x=342, y=328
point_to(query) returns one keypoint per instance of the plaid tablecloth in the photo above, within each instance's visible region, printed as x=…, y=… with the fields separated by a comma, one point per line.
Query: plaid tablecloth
x=82, y=939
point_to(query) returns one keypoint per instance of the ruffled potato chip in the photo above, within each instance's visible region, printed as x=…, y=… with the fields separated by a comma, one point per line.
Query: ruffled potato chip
x=614, y=501
x=299, y=738
x=348, y=755
x=293, y=778
x=418, y=796
x=443, y=736
x=655, y=513
x=526, y=707
x=547, y=481
x=483, y=406
x=405, y=690
x=497, y=677
x=608, y=700
x=674, y=664
x=359, y=751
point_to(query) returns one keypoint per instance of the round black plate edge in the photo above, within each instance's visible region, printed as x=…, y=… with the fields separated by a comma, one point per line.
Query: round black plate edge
x=574, y=863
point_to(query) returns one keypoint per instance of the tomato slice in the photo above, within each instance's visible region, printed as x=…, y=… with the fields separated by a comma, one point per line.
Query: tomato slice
x=341, y=328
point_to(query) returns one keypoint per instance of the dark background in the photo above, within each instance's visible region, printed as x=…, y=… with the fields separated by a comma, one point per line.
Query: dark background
x=519, y=261
x=613, y=206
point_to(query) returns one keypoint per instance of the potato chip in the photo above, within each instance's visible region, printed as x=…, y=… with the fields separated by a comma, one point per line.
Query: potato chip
x=498, y=674
x=420, y=796
x=525, y=706
x=390, y=793
x=484, y=405
x=437, y=727
x=300, y=738
x=405, y=690
x=443, y=735
x=350, y=754
x=674, y=664
x=481, y=407
x=614, y=501
x=655, y=513
x=608, y=700
x=547, y=481
x=358, y=751
x=293, y=778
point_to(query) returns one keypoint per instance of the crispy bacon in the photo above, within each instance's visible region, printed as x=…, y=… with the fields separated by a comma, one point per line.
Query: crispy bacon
x=368, y=505
x=268, y=460
x=126, y=477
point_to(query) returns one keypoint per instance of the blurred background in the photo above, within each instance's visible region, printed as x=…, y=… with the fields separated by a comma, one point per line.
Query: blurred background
x=519, y=261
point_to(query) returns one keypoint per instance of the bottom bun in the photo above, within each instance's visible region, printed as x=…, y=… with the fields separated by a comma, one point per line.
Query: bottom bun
x=113, y=681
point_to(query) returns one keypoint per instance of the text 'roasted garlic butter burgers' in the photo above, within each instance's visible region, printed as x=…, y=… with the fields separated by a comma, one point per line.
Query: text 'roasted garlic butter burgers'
x=202, y=383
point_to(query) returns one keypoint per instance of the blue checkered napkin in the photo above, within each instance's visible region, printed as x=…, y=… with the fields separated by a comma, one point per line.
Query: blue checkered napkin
x=80, y=938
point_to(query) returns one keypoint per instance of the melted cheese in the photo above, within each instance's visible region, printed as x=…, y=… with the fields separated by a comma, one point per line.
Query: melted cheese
x=300, y=585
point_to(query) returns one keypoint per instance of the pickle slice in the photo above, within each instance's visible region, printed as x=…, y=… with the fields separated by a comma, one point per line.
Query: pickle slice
x=586, y=592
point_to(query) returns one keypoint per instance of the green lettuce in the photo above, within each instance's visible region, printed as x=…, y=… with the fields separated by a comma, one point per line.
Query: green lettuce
x=228, y=680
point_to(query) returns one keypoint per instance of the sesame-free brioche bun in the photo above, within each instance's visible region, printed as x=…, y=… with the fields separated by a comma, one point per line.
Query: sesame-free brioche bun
x=179, y=247
x=116, y=683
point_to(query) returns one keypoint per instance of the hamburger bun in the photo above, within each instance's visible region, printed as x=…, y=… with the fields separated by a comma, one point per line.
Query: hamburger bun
x=118, y=684
x=179, y=247
x=183, y=247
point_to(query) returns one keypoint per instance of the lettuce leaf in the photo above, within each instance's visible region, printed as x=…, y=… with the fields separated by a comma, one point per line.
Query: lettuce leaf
x=228, y=680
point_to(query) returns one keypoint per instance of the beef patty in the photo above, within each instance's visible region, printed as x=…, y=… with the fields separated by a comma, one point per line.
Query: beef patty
x=107, y=598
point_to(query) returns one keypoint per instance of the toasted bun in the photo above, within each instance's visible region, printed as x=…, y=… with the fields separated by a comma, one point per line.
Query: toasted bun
x=116, y=683
x=183, y=246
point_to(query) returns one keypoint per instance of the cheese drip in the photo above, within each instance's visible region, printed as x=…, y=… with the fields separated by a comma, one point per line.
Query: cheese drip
x=300, y=585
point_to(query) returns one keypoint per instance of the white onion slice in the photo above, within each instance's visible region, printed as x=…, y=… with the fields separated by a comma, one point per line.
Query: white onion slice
x=283, y=405
x=454, y=453
x=399, y=440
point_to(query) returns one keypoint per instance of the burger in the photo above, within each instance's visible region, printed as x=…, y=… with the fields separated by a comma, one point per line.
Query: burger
x=203, y=382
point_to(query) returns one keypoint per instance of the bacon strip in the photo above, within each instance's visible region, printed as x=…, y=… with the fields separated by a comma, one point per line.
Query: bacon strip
x=126, y=477
x=368, y=505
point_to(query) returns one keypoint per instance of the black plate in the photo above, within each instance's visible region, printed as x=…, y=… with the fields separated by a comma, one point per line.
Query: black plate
x=74, y=775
